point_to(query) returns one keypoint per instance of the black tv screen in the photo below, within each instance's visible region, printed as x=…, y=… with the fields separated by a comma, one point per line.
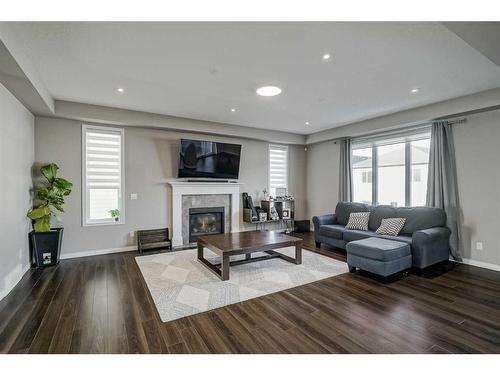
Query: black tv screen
x=209, y=159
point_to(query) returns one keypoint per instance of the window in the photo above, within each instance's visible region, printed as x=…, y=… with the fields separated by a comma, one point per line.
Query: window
x=367, y=177
x=102, y=175
x=278, y=168
x=361, y=167
x=391, y=170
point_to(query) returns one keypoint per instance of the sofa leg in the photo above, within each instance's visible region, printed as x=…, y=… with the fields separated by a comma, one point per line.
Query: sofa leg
x=351, y=268
x=318, y=244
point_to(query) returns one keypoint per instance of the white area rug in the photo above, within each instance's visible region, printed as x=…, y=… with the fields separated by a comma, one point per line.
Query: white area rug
x=182, y=286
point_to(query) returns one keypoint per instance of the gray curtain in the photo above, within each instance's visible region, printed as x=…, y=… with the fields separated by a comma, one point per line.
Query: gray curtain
x=442, y=186
x=345, y=177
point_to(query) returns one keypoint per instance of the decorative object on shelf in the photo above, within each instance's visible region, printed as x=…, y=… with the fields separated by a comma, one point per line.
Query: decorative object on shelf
x=115, y=214
x=252, y=208
x=273, y=214
x=153, y=239
x=285, y=214
x=264, y=191
x=45, y=242
x=280, y=193
x=262, y=216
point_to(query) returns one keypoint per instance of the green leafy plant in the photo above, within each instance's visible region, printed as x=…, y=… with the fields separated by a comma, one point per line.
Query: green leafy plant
x=49, y=198
x=115, y=214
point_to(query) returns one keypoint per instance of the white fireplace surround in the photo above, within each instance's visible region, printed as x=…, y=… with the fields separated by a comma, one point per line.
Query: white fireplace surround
x=180, y=188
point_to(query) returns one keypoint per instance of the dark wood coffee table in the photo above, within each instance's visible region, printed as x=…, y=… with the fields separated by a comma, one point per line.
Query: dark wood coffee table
x=228, y=244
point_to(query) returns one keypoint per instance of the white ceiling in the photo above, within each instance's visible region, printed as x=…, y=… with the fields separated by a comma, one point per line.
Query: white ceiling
x=202, y=70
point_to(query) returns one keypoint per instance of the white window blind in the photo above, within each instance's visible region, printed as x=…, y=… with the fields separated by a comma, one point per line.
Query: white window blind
x=102, y=174
x=278, y=168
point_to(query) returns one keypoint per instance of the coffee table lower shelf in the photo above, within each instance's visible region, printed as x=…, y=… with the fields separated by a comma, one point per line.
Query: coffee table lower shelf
x=222, y=269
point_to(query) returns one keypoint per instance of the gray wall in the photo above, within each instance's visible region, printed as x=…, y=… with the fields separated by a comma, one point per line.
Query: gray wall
x=477, y=151
x=150, y=159
x=322, y=170
x=16, y=160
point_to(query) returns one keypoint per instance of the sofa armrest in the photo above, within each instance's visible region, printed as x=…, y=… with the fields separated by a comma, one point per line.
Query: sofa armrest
x=430, y=246
x=323, y=220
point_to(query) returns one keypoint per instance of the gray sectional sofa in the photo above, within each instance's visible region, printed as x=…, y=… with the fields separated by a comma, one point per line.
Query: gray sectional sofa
x=424, y=230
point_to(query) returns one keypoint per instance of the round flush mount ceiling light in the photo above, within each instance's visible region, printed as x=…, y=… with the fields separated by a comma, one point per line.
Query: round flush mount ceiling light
x=268, y=91
x=233, y=109
x=307, y=122
x=326, y=56
x=415, y=90
x=121, y=90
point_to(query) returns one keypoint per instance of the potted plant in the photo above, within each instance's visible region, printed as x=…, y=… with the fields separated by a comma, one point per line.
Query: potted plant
x=115, y=214
x=45, y=241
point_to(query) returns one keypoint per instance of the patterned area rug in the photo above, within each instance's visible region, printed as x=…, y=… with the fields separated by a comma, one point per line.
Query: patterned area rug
x=181, y=286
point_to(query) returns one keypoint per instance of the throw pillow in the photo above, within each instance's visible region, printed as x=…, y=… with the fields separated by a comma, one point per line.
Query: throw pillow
x=358, y=220
x=392, y=226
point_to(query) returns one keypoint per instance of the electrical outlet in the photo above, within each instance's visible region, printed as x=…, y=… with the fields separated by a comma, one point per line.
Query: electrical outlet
x=479, y=246
x=133, y=196
x=132, y=234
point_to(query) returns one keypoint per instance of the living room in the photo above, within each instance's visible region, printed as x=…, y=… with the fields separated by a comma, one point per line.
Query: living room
x=250, y=187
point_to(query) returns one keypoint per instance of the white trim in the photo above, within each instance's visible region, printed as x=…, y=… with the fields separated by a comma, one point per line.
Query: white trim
x=180, y=188
x=8, y=288
x=81, y=254
x=111, y=221
x=477, y=263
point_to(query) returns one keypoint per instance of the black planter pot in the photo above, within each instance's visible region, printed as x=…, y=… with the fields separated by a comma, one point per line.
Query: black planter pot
x=45, y=247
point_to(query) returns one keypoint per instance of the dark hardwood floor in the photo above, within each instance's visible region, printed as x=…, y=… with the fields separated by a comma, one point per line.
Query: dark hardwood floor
x=102, y=305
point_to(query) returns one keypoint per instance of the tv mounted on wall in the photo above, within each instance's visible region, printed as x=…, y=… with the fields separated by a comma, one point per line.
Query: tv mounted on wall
x=209, y=159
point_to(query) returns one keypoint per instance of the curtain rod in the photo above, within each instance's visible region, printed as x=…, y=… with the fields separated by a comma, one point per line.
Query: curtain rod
x=458, y=120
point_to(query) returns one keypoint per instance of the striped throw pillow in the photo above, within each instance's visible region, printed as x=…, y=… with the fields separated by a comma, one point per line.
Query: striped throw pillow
x=358, y=220
x=392, y=226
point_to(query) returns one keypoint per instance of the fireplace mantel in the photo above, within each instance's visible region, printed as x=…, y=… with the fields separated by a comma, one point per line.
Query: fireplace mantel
x=181, y=187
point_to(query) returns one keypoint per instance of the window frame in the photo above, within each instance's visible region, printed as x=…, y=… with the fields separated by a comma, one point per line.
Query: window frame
x=285, y=147
x=408, y=167
x=86, y=221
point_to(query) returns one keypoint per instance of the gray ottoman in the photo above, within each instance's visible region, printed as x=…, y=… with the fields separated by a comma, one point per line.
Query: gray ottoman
x=379, y=256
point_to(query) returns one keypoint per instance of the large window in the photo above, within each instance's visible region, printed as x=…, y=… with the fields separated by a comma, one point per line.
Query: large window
x=102, y=175
x=392, y=170
x=278, y=168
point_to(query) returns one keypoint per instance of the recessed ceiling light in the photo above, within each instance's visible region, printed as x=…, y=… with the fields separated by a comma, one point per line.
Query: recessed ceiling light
x=120, y=89
x=326, y=56
x=268, y=91
x=307, y=122
x=415, y=90
x=233, y=109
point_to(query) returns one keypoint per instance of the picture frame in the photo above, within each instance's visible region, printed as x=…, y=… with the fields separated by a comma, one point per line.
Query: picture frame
x=280, y=192
x=285, y=214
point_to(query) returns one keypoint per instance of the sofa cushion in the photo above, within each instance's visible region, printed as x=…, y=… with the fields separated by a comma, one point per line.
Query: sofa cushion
x=333, y=231
x=377, y=213
x=400, y=238
x=378, y=249
x=344, y=209
x=354, y=235
x=420, y=218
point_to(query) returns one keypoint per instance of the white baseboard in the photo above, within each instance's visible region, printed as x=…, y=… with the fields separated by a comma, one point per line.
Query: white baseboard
x=80, y=254
x=12, y=279
x=476, y=263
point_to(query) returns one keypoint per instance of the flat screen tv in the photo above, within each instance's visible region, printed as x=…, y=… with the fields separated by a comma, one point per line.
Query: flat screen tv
x=209, y=159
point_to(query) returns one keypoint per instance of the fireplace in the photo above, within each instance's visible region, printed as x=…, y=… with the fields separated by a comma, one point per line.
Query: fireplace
x=206, y=220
